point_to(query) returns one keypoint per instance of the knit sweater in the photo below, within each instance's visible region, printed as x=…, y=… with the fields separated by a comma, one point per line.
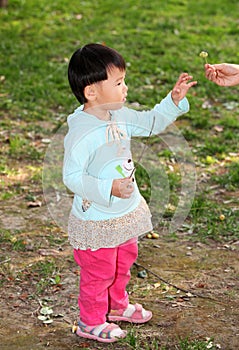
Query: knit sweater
x=98, y=151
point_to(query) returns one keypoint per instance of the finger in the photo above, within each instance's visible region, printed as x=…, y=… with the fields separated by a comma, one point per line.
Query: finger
x=124, y=182
x=184, y=79
x=181, y=78
x=129, y=180
x=209, y=66
x=192, y=83
x=126, y=194
x=129, y=186
x=189, y=77
x=183, y=75
x=129, y=189
x=210, y=69
x=126, y=188
x=211, y=75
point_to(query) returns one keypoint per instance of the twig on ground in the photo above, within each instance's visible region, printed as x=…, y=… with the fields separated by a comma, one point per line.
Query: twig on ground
x=5, y=261
x=193, y=294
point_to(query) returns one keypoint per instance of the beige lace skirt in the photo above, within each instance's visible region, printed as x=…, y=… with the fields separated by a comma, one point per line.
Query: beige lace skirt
x=109, y=233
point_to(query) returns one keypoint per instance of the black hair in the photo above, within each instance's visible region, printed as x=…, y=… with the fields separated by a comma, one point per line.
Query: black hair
x=89, y=65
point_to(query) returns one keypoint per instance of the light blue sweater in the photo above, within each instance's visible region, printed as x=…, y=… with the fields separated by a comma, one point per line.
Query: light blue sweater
x=95, y=150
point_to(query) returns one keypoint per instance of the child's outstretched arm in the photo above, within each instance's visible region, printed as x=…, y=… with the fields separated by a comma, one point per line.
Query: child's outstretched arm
x=181, y=87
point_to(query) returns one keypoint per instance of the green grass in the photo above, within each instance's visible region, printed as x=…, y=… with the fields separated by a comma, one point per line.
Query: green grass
x=186, y=344
x=158, y=41
x=46, y=274
x=133, y=342
x=229, y=179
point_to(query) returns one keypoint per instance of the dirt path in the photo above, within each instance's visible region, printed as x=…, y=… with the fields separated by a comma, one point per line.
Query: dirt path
x=209, y=273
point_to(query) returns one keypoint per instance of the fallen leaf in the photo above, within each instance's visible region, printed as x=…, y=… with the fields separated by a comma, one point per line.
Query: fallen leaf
x=79, y=16
x=46, y=252
x=46, y=141
x=180, y=300
x=218, y=128
x=23, y=296
x=230, y=105
x=200, y=285
x=34, y=204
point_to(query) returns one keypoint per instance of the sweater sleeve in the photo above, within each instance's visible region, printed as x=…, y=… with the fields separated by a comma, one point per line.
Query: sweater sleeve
x=161, y=116
x=80, y=182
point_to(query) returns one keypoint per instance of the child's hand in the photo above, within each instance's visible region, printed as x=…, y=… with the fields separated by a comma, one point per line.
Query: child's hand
x=122, y=188
x=181, y=87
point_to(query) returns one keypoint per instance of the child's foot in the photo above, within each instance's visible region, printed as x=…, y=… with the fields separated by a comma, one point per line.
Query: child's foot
x=134, y=313
x=106, y=332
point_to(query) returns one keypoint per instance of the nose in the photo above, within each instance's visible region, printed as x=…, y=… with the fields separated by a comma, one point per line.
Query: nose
x=125, y=87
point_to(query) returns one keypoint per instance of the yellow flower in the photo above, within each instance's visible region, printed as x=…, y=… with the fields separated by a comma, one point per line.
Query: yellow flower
x=203, y=54
x=222, y=217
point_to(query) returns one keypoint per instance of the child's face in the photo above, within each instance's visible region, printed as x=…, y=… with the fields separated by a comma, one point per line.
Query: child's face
x=112, y=92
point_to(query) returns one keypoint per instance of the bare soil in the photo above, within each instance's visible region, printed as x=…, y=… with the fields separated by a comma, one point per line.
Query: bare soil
x=192, y=288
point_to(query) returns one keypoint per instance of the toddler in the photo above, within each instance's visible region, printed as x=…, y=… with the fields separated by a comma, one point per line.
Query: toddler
x=108, y=212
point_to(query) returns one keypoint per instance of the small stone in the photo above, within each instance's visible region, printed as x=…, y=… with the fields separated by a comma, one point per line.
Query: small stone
x=74, y=328
x=155, y=235
x=142, y=274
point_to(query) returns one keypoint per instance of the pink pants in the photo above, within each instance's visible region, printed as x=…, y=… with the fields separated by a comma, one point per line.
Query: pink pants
x=104, y=275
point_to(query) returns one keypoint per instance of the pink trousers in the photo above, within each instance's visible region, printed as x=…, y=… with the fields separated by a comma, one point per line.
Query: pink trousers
x=104, y=274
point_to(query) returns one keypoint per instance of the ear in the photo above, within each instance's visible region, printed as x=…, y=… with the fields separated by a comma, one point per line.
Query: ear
x=90, y=92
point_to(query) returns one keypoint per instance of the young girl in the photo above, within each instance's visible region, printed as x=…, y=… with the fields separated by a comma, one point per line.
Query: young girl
x=108, y=213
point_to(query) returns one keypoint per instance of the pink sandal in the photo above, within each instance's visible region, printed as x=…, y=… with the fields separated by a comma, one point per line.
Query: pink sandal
x=106, y=332
x=134, y=313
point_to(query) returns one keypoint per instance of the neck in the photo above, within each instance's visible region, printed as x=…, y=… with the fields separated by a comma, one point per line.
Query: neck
x=99, y=113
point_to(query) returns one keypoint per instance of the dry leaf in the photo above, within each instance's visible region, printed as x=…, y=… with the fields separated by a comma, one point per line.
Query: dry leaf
x=79, y=16
x=34, y=204
x=218, y=128
x=46, y=252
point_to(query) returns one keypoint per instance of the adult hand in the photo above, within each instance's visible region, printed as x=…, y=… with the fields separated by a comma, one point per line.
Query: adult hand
x=223, y=74
x=181, y=87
